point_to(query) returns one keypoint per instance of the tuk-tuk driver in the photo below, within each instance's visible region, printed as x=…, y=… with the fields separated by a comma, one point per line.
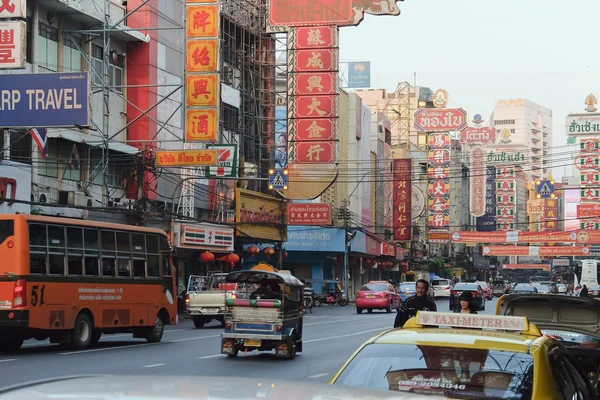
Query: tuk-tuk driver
x=266, y=291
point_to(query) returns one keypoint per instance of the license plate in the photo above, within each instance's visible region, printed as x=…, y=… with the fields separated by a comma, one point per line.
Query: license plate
x=370, y=296
x=252, y=343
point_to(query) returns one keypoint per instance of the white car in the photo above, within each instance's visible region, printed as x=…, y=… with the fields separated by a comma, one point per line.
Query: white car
x=441, y=287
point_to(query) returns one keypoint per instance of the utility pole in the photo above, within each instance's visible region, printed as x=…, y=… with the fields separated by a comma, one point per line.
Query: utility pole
x=281, y=232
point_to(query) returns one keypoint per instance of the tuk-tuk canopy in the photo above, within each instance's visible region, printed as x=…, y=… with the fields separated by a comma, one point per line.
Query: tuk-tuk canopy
x=257, y=277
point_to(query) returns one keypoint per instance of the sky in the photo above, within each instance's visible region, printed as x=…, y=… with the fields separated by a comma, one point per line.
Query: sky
x=482, y=50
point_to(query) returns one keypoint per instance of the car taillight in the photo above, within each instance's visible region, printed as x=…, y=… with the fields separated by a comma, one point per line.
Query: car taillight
x=447, y=288
x=20, y=293
x=475, y=293
x=454, y=293
x=382, y=294
x=359, y=295
x=234, y=296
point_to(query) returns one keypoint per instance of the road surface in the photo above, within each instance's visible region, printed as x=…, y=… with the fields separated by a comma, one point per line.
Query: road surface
x=331, y=335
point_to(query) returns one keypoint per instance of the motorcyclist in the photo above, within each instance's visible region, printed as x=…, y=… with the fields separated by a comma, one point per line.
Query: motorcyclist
x=418, y=302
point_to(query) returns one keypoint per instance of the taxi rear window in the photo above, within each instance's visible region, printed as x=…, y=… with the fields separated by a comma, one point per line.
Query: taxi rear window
x=457, y=373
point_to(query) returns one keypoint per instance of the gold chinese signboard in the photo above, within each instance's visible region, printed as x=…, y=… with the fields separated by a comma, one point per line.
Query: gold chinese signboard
x=184, y=158
x=259, y=216
x=202, y=79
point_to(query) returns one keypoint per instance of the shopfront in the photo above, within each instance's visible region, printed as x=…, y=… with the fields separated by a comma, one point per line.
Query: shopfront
x=365, y=251
x=191, y=241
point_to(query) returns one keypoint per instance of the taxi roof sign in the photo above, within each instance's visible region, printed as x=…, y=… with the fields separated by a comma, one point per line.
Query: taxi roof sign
x=477, y=321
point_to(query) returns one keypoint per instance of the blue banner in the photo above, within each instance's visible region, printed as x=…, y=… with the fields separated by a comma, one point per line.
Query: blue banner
x=281, y=145
x=487, y=223
x=309, y=238
x=359, y=74
x=44, y=100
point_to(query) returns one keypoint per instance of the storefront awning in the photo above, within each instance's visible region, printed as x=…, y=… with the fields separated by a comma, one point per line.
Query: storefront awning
x=90, y=140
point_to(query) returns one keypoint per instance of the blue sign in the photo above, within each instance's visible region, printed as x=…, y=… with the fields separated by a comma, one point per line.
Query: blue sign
x=44, y=100
x=278, y=180
x=281, y=143
x=307, y=238
x=359, y=74
x=545, y=189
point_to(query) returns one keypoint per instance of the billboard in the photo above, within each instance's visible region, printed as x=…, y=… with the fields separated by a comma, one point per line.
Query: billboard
x=359, y=74
x=402, y=170
x=44, y=100
x=487, y=223
x=202, y=78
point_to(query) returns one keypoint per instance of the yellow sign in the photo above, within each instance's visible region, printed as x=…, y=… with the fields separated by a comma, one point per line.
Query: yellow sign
x=202, y=55
x=259, y=216
x=202, y=21
x=202, y=90
x=183, y=158
x=201, y=125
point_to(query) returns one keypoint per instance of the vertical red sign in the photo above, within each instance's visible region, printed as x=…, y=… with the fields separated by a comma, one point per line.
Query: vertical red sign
x=402, y=199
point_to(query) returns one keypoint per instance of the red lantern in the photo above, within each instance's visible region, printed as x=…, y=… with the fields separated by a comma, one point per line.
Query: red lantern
x=232, y=258
x=269, y=251
x=207, y=257
x=253, y=250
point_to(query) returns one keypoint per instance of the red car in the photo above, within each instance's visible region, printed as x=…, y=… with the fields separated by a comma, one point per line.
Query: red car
x=377, y=295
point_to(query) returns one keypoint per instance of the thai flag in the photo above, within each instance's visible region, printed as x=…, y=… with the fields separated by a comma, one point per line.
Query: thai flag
x=74, y=162
x=41, y=140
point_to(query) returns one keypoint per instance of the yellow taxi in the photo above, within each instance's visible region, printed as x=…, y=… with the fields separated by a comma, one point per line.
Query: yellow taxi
x=466, y=356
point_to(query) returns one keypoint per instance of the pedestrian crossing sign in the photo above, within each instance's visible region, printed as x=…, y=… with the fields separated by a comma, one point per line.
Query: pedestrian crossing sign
x=278, y=179
x=544, y=189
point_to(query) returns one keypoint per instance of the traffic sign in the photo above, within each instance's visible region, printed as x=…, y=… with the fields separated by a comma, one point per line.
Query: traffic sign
x=278, y=179
x=544, y=189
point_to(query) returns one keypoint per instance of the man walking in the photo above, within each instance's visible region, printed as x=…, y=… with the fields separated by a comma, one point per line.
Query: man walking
x=419, y=302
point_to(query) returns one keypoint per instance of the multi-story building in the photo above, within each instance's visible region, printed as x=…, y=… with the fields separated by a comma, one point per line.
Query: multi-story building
x=529, y=125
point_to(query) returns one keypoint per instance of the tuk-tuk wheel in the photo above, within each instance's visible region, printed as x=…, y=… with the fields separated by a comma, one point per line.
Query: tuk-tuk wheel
x=234, y=354
x=198, y=322
x=291, y=349
x=317, y=302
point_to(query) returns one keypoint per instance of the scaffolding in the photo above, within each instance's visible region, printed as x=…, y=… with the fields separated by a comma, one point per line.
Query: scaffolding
x=104, y=83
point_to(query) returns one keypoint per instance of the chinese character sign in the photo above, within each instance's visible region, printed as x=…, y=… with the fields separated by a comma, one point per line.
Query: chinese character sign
x=12, y=9
x=478, y=181
x=487, y=223
x=438, y=182
x=505, y=197
x=549, y=219
x=12, y=43
x=402, y=200
x=202, y=80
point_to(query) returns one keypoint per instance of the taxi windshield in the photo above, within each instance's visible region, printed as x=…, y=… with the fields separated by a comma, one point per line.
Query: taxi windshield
x=453, y=372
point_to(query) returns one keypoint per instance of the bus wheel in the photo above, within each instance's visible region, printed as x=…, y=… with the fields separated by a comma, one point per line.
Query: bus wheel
x=156, y=333
x=11, y=345
x=81, y=335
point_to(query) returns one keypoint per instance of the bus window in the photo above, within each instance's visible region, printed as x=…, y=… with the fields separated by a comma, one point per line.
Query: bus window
x=7, y=228
x=91, y=252
x=166, y=270
x=139, y=267
x=123, y=255
x=152, y=243
x=153, y=266
x=138, y=244
x=109, y=254
x=38, y=249
x=74, y=251
x=56, y=249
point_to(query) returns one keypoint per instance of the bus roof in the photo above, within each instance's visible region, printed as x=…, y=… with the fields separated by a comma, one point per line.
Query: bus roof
x=81, y=222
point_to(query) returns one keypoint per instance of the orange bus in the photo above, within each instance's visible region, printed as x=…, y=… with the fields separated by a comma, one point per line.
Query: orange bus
x=71, y=281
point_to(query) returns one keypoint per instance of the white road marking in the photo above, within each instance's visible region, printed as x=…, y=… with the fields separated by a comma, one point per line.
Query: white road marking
x=213, y=356
x=348, y=335
x=193, y=338
x=8, y=360
x=153, y=365
x=315, y=376
x=109, y=348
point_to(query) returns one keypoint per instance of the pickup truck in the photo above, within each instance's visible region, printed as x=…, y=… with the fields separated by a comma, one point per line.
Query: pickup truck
x=206, y=298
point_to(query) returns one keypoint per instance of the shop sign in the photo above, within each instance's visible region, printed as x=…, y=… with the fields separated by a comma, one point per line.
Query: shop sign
x=544, y=267
x=388, y=249
x=589, y=145
x=482, y=135
x=182, y=158
x=402, y=199
x=227, y=161
x=505, y=157
x=583, y=124
x=315, y=60
x=205, y=236
x=440, y=120
x=535, y=206
x=541, y=251
x=304, y=238
x=11, y=9
x=315, y=107
x=309, y=214
x=478, y=182
x=259, y=216
x=15, y=185
x=588, y=211
x=561, y=262
x=439, y=141
x=12, y=43
x=313, y=37
x=373, y=246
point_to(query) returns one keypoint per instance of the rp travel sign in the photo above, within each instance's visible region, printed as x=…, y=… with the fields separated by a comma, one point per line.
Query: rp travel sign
x=44, y=100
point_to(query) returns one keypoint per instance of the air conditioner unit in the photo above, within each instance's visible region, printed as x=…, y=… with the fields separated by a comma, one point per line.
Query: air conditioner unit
x=80, y=199
x=48, y=196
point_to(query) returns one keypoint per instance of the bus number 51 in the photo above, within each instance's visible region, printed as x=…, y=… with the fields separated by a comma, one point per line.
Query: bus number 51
x=34, y=295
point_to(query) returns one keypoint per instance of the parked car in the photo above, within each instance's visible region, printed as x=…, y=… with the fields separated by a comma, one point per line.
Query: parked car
x=408, y=289
x=377, y=295
x=441, y=287
x=487, y=290
x=542, y=289
x=594, y=292
x=561, y=288
x=478, y=297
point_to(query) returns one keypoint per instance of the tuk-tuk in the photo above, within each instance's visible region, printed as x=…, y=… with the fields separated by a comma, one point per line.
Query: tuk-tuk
x=268, y=318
